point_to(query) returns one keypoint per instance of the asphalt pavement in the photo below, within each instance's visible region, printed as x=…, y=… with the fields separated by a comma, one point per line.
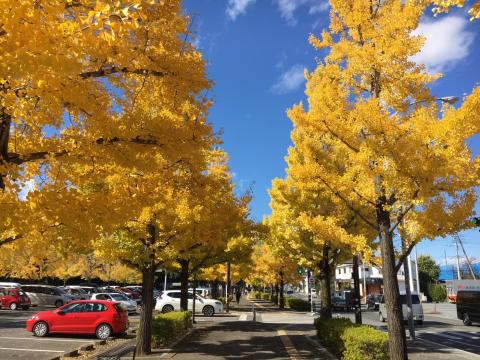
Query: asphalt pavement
x=440, y=337
x=273, y=335
x=17, y=343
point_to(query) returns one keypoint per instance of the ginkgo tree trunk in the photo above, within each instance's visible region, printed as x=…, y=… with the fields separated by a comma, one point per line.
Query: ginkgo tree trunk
x=380, y=145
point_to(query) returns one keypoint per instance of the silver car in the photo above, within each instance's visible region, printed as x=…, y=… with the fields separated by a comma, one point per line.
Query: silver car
x=46, y=295
x=76, y=293
x=131, y=305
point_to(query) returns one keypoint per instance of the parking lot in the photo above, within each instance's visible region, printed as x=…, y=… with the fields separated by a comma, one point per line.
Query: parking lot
x=16, y=343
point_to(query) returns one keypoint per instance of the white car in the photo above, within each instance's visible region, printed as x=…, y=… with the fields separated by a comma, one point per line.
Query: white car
x=170, y=301
x=417, y=308
x=130, y=305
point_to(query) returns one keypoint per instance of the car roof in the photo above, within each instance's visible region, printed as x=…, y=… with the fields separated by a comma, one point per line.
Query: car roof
x=108, y=293
x=94, y=301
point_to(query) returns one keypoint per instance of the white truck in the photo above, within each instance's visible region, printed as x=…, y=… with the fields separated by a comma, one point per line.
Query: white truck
x=453, y=286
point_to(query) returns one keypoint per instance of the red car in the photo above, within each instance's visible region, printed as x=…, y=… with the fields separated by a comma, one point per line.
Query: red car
x=13, y=299
x=99, y=317
x=133, y=294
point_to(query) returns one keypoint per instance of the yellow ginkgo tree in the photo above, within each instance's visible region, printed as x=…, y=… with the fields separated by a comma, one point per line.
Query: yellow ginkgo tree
x=442, y=6
x=384, y=149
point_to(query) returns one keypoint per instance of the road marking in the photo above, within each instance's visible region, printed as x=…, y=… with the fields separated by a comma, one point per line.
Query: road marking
x=243, y=317
x=469, y=354
x=17, y=349
x=287, y=343
x=46, y=339
x=451, y=339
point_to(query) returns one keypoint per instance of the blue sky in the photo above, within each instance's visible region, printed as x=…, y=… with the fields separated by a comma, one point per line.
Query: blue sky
x=256, y=52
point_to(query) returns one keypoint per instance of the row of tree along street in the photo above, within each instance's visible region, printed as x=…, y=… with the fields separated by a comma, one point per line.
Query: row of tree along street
x=106, y=150
x=105, y=147
x=375, y=156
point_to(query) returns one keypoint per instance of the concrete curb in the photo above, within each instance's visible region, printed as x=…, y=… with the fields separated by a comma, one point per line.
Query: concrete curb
x=72, y=353
x=172, y=346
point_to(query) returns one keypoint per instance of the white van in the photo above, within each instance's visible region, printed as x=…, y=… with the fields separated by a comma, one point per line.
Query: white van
x=417, y=308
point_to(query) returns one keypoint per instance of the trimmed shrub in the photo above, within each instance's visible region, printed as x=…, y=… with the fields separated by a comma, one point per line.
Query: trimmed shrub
x=352, y=342
x=437, y=292
x=266, y=296
x=297, y=304
x=169, y=327
x=330, y=332
x=364, y=343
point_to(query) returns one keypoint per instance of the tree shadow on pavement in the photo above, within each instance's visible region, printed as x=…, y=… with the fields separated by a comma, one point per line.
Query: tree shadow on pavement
x=243, y=340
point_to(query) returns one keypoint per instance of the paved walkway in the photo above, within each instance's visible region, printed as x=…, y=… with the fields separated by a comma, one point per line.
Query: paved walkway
x=241, y=338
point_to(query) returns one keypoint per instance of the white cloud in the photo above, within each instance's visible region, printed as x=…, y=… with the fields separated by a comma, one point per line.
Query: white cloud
x=447, y=43
x=319, y=8
x=288, y=7
x=289, y=80
x=28, y=186
x=237, y=7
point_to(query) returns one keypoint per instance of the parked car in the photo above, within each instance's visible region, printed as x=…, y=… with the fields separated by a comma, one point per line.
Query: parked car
x=417, y=308
x=343, y=300
x=468, y=306
x=9, y=285
x=103, y=318
x=170, y=301
x=88, y=289
x=46, y=295
x=76, y=293
x=13, y=298
x=203, y=292
x=373, y=301
x=130, y=305
x=131, y=293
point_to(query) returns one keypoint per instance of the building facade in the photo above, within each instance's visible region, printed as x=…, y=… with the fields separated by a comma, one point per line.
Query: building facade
x=371, y=278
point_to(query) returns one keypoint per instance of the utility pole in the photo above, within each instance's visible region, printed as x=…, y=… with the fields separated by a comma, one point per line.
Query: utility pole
x=459, y=276
x=408, y=294
x=466, y=257
x=364, y=281
x=194, y=295
x=227, y=288
x=356, y=291
x=165, y=281
x=416, y=273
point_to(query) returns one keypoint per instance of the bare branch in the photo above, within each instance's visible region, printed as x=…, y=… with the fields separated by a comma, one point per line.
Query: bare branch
x=105, y=71
x=18, y=159
x=346, y=202
x=10, y=239
x=403, y=256
x=403, y=214
x=351, y=147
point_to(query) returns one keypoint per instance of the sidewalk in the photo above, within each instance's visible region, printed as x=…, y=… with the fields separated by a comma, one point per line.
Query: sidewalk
x=241, y=338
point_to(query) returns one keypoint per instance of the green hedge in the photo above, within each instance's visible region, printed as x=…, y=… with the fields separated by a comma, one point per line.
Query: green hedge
x=364, y=342
x=352, y=342
x=169, y=327
x=297, y=304
x=266, y=296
